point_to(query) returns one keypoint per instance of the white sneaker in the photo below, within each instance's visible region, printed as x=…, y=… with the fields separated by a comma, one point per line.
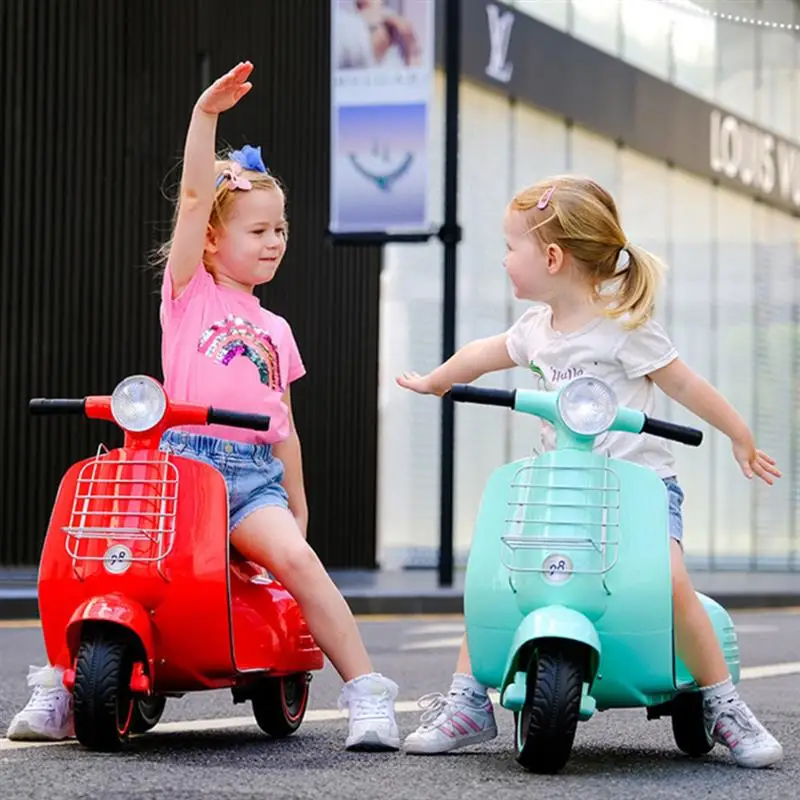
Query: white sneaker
x=448, y=723
x=48, y=714
x=733, y=725
x=369, y=700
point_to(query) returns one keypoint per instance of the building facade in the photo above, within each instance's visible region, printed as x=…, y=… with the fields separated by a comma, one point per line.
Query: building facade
x=689, y=113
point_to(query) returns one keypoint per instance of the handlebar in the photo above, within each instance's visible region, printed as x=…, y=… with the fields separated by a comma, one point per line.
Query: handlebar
x=53, y=405
x=669, y=430
x=462, y=393
x=180, y=414
x=238, y=419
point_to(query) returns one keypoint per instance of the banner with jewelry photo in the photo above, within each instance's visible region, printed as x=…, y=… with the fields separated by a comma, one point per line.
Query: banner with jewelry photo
x=382, y=73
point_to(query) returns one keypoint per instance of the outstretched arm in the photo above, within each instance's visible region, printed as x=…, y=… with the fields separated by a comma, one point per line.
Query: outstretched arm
x=468, y=364
x=686, y=387
x=197, y=183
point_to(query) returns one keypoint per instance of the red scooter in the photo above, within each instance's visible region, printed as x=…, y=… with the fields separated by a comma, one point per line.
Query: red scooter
x=141, y=596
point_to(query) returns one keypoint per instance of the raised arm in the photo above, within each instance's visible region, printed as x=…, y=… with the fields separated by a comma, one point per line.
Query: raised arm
x=197, y=183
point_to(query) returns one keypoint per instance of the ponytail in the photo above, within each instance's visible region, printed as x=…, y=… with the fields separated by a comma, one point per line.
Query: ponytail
x=639, y=284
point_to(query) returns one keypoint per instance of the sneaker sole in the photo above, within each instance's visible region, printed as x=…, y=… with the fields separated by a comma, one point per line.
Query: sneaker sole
x=24, y=733
x=372, y=743
x=449, y=747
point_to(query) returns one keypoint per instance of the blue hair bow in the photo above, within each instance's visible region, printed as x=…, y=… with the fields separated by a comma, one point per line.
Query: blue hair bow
x=249, y=158
x=246, y=158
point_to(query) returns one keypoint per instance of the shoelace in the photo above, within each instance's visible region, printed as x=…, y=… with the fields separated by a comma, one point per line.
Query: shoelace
x=43, y=699
x=366, y=704
x=436, y=708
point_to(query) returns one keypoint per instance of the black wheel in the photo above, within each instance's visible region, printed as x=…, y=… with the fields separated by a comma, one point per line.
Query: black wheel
x=279, y=704
x=103, y=700
x=147, y=712
x=688, y=725
x=545, y=728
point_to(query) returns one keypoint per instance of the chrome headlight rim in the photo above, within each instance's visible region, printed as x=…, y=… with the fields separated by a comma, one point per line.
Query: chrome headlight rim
x=567, y=394
x=156, y=411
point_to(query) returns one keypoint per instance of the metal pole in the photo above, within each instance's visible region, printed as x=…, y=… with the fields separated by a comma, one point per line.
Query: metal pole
x=450, y=235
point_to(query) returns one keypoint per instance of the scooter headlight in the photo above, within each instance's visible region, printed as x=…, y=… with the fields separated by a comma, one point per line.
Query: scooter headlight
x=587, y=406
x=138, y=403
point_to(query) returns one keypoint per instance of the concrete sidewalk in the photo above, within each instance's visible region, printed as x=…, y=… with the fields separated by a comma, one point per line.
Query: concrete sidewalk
x=417, y=592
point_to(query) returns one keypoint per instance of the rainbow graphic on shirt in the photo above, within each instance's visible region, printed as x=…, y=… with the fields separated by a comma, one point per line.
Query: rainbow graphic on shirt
x=232, y=337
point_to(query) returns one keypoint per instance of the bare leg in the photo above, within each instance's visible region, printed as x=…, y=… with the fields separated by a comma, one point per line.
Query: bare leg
x=695, y=635
x=270, y=537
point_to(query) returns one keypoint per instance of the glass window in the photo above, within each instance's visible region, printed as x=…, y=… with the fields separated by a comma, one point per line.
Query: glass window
x=484, y=182
x=736, y=59
x=539, y=149
x=409, y=425
x=554, y=12
x=689, y=284
x=597, y=22
x=643, y=202
x=778, y=76
x=646, y=32
x=734, y=371
x=595, y=157
x=694, y=49
x=774, y=358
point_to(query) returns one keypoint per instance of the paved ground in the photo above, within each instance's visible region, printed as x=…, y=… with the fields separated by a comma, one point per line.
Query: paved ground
x=617, y=755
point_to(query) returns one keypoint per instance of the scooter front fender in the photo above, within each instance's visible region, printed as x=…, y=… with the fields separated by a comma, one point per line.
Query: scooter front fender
x=112, y=609
x=550, y=622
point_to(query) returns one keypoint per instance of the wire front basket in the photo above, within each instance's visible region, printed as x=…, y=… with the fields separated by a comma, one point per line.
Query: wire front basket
x=563, y=512
x=123, y=510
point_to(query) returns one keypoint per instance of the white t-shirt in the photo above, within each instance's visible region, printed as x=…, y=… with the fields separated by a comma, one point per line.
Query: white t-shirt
x=605, y=350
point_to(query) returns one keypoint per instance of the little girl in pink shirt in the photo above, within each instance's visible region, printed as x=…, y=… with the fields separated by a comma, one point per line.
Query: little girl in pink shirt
x=221, y=348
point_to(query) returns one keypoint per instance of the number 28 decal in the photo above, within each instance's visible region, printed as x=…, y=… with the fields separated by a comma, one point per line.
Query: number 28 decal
x=557, y=568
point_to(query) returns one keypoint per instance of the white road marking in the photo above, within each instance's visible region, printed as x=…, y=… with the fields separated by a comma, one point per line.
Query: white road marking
x=433, y=644
x=770, y=671
x=328, y=714
x=455, y=641
x=444, y=627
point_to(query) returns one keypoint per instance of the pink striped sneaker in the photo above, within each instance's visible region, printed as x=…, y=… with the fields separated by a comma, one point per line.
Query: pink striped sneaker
x=450, y=722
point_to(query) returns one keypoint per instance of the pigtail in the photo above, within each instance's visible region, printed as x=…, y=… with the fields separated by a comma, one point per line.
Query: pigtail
x=639, y=283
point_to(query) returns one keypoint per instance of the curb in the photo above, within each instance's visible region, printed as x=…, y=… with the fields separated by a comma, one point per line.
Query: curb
x=444, y=603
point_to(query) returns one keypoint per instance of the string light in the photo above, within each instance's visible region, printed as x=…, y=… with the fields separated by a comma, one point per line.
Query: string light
x=738, y=19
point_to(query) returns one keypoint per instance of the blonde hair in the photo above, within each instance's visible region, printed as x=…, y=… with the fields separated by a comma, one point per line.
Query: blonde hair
x=581, y=217
x=224, y=197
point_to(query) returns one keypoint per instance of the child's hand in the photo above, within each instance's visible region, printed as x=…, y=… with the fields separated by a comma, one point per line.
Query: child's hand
x=228, y=90
x=422, y=384
x=755, y=462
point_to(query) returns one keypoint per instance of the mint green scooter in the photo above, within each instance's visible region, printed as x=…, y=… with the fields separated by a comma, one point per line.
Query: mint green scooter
x=568, y=592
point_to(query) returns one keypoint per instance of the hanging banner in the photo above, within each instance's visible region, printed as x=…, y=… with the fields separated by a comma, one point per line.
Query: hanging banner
x=382, y=68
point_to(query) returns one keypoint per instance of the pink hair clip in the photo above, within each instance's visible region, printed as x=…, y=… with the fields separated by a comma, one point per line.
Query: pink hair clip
x=235, y=180
x=545, y=198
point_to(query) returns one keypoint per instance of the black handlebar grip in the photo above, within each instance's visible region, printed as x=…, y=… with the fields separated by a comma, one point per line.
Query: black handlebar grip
x=238, y=419
x=55, y=405
x=669, y=430
x=463, y=393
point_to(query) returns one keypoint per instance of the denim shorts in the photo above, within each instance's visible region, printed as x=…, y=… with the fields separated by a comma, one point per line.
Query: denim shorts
x=675, y=496
x=252, y=473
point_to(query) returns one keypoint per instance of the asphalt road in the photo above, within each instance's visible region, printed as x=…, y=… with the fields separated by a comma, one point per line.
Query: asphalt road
x=206, y=747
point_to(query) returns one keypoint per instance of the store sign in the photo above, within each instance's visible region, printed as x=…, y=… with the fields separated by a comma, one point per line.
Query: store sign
x=754, y=158
x=500, y=25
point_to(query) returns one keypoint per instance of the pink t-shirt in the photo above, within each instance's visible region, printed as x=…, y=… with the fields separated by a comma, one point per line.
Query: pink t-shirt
x=221, y=348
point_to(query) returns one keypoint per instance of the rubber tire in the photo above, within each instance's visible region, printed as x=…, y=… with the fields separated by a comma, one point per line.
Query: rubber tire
x=279, y=704
x=688, y=725
x=546, y=726
x=103, y=700
x=147, y=712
